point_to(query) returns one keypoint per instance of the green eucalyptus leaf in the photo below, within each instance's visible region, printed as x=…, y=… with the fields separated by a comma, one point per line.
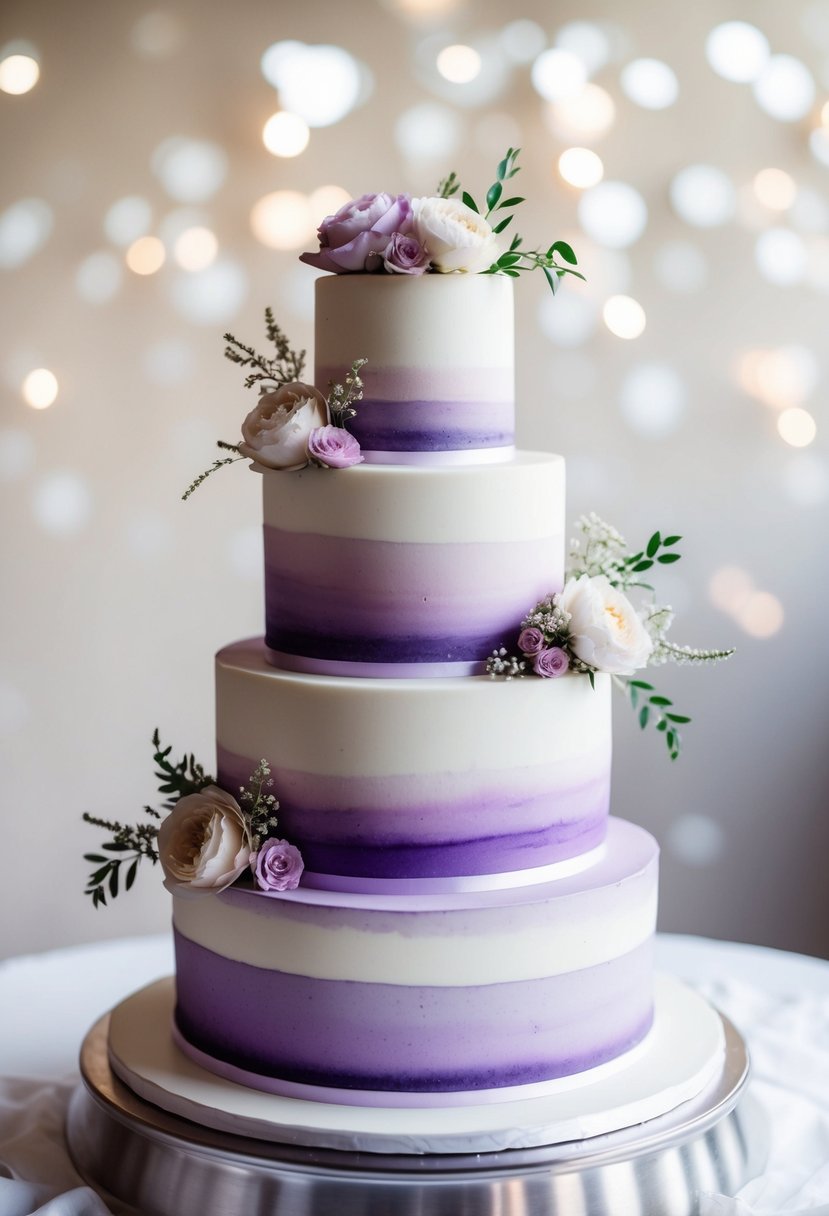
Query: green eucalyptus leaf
x=502, y=225
x=493, y=194
x=634, y=695
x=641, y=684
x=565, y=250
x=662, y=724
x=667, y=558
x=644, y=715
x=643, y=565
x=99, y=875
x=131, y=873
x=551, y=279
x=513, y=274
x=660, y=701
x=653, y=544
x=511, y=202
x=677, y=718
x=671, y=540
x=113, y=882
x=470, y=202
x=516, y=241
x=112, y=847
x=509, y=259
x=93, y=857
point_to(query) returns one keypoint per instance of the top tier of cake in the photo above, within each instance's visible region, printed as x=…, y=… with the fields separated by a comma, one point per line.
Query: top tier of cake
x=439, y=382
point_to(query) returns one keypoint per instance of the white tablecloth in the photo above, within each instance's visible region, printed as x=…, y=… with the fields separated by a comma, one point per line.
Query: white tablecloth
x=779, y=1001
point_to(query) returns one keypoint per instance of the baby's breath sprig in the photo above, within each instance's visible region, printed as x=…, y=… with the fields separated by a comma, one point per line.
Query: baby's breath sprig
x=342, y=397
x=503, y=665
x=258, y=805
x=286, y=367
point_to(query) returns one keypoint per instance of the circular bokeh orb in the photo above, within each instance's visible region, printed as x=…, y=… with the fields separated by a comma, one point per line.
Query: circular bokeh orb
x=624, y=317
x=18, y=74
x=128, y=219
x=567, y=319
x=319, y=84
x=761, y=616
x=212, y=296
x=781, y=257
x=796, y=427
x=775, y=189
x=25, y=227
x=98, y=278
x=40, y=388
x=696, y=840
x=523, y=40
x=613, y=214
x=146, y=256
x=650, y=83
x=196, y=248
x=729, y=588
x=428, y=131
x=680, y=267
x=580, y=167
x=62, y=503
x=805, y=479
x=558, y=74
x=587, y=41
x=286, y=134
x=588, y=115
x=653, y=399
x=785, y=89
x=190, y=170
x=703, y=196
x=737, y=51
x=283, y=220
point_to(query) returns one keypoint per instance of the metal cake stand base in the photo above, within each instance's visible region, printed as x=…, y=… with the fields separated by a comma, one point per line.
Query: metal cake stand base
x=163, y=1165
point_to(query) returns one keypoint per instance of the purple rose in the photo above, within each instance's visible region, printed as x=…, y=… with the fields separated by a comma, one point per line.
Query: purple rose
x=405, y=255
x=357, y=235
x=551, y=663
x=277, y=866
x=334, y=447
x=530, y=640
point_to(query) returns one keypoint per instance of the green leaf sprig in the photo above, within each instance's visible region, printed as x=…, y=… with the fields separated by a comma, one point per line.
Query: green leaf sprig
x=655, y=709
x=516, y=259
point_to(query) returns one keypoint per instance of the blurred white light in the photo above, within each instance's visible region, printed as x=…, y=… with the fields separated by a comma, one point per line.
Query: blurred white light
x=285, y=134
x=784, y=376
x=696, y=840
x=175, y=222
x=168, y=363
x=703, y=196
x=587, y=115
x=423, y=10
x=775, y=189
x=146, y=255
x=283, y=220
x=99, y=277
x=809, y=211
x=149, y=534
x=567, y=319
x=40, y=388
x=819, y=144
x=190, y=170
x=14, y=709
x=761, y=616
x=245, y=553
x=680, y=267
x=128, y=219
x=458, y=63
x=624, y=317
x=737, y=51
x=785, y=89
x=155, y=35
x=211, y=296
x=797, y=427
x=327, y=200
x=781, y=256
x=653, y=399
x=62, y=503
x=581, y=167
x=428, y=131
x=18, y=74
x=805, y=479
x=587, y=41
x=557, y=74
x=196, y=248
x=522, y=40
x=729, y=588
x=613, y=214
x=17, y=454
x=320, y=84
x=24, y=228
x=650, y=83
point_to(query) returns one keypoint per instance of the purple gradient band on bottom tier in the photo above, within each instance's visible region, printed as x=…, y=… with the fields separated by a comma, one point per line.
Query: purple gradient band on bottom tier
x=397, y=827
x=411, y=1039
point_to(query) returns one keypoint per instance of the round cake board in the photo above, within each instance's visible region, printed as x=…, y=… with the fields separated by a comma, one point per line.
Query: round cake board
x=683, y=1053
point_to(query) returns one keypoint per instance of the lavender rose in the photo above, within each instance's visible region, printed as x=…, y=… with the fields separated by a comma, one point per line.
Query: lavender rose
x=357, y=235
x=405, y=255
x=530, y=640
x=275, y=433
x=277, y=866
x=551, y=663
x=203, y=844
x=334, y=447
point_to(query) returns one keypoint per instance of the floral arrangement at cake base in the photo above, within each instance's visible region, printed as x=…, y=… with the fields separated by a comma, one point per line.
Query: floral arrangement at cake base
x=592, y=625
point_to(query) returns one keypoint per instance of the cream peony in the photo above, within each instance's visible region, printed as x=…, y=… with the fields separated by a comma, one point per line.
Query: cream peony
x=454, y=236
x=275, y=433
x=606, y=632
x=204, y=843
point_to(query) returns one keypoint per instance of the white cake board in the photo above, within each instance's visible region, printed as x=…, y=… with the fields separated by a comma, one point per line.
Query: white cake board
x=681, y=1056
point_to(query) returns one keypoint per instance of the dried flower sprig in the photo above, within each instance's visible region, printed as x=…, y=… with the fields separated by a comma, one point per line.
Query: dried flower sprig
x=286, y=367
x=259, y=806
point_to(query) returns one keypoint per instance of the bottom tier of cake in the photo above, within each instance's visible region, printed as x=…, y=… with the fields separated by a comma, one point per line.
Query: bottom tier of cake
x=315, y=992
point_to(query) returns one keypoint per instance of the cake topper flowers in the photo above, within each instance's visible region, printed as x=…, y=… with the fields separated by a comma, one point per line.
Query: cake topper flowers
x=204, y=838
x=592, y=625
x=292, y=424
x=442, y=234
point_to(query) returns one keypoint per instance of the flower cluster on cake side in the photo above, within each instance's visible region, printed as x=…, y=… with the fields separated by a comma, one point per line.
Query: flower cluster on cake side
x=592, y=626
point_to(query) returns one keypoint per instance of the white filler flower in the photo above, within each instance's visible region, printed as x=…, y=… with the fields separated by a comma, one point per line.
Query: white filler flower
x=454, y=236
x=606, y=632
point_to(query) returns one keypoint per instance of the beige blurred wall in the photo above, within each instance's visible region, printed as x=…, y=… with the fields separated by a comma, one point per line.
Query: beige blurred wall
x=116, y=594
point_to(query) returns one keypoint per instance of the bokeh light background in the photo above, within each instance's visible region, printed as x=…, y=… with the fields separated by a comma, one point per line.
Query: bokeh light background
x=162, y=170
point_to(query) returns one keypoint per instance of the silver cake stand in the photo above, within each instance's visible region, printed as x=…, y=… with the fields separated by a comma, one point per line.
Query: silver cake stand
x=162, y=1165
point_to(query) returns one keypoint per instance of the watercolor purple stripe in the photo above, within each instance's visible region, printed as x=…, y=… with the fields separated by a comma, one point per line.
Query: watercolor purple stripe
x=436, y=825
x=416, y=1039
x=367, y=601
x=433, y=426
x=456, y=385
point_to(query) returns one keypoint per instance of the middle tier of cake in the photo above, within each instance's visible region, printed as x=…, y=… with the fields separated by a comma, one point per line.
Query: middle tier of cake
x=440, y=785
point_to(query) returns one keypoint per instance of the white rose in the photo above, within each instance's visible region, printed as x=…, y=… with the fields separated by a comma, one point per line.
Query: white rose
x=203, y=844
x=454, y=236
x=275, y=433
x=606, y=632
